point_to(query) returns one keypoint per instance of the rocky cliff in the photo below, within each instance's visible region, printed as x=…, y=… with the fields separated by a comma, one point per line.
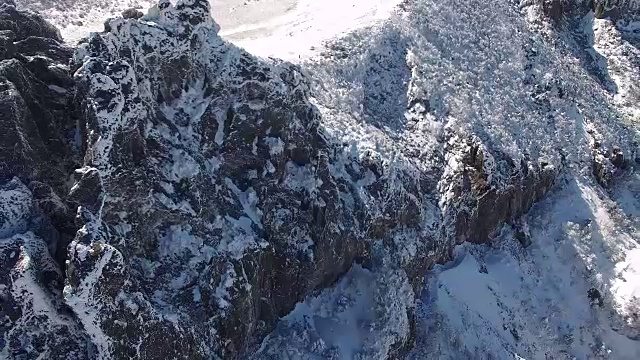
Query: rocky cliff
x=36, y=158
x=167, y=195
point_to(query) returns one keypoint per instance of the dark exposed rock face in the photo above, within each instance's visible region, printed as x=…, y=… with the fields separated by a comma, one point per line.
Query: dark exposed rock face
x=132, y=14
x=555, y=9
x=614, y=9
x=38, y=125
x=480, y=207
x=26, y=24
x=607, y=160
x=606, y=163
x=35, y=160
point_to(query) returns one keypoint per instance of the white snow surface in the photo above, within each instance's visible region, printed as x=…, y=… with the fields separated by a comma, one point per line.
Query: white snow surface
x=360, y=317
x=287, y=29
x=77, y=18
x=301, y=27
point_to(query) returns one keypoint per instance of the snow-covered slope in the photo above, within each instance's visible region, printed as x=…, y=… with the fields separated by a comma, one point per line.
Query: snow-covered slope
x=567, y=296
x=531, y=89
x=303, y=26
x=287, y=29
x=76, y=19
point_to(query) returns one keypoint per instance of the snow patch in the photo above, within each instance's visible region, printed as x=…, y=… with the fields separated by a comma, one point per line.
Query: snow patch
x=15, y=208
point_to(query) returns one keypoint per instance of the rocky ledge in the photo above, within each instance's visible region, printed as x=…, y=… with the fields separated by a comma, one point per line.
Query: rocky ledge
x=177, y=196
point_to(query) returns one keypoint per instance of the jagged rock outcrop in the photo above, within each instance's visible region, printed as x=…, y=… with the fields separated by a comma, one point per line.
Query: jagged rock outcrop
x=216, y=193
x=614, y=9
x=606, y=163
x=213, y=201
x=237, y=204
x=36, y=153
x=207, y=198
x=37, y=121
x=480, y=204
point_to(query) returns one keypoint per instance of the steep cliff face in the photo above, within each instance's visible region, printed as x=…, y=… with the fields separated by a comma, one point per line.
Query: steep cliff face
x=38, y=124
x=208, y=205
x=213, y=197
x=483, y=109
x=229, y=206
x=36, y=158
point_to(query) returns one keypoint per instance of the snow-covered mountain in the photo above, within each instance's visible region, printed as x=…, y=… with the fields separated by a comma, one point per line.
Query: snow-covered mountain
x=423, y=179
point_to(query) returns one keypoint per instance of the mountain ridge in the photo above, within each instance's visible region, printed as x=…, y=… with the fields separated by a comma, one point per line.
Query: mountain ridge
x=223, y=200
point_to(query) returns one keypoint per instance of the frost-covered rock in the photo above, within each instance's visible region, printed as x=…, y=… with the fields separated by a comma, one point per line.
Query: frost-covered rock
x=38, y=123
x=230, y=206
x=36, y=143
x=35, y=322
x=207, y=195
x=220, y=189
x=485, y=126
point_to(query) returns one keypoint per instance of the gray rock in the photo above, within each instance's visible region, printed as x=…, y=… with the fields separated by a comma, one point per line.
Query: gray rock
x=231, y=216
x=25, y=23
x=132, y=14
x=558, y=10
x=37, y=120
